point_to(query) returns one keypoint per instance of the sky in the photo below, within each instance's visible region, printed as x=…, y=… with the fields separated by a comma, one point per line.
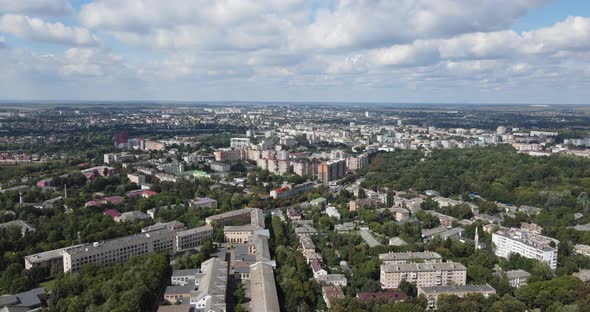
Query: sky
x=399, y=51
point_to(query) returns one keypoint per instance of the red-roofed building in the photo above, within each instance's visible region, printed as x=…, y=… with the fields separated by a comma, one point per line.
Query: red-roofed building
x=142, y=193
x=385, y=295
x=331, y=293
x=112, y=213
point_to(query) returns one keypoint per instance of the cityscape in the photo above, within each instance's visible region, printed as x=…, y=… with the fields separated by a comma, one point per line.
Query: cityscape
x=324, y=162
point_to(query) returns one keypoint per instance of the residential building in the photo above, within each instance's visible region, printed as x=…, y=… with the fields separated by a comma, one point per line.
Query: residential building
x=432, y=293
x=331, y=293
x=517, y=278
x=204, y=202
x=220, y=167
x=239, y=143
x=423, y=274
x=132, y=216
x=526, y=244
x=358, y=162
x=331, y=170
x=409, y=257
x=332, y=279
x=136, y=178
x=357, y=204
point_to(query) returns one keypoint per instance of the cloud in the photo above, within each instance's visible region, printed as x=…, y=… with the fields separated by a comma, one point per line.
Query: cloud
x=39, y=30
x=37, y=7
x=251, y=25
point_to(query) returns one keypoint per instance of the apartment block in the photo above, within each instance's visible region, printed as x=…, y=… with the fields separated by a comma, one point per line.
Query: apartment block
x=423, y=274
x=331, y=170
x=526, y=244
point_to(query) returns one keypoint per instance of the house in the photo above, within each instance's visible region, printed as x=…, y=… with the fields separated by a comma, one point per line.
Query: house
x=45, y=182
x=317, y=269
x=306, y=230
x=112, y=213
x=332, y=279
x=204, y=202
x=344, y=228
x=22, y=225
x=131, y=216
x=517, y=278
x=396, y=241
x=318, y=202
x=331, y=293
x=142, y=193
x=29, y=300
x=333, y=212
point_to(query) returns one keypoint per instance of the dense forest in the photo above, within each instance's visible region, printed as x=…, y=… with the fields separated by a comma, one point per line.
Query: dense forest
x=496, y=173
x=133, y=286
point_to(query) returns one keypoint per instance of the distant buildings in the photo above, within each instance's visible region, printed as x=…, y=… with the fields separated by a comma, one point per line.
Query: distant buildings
x=526, y=244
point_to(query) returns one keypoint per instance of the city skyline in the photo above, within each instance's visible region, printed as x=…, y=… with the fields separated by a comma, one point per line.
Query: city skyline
x=521, y=52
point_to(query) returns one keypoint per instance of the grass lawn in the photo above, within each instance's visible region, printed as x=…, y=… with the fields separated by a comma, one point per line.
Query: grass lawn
x=49, y=285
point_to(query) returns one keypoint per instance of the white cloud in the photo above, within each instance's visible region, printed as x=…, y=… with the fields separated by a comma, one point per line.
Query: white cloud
x=39, y=30
x=37, y=7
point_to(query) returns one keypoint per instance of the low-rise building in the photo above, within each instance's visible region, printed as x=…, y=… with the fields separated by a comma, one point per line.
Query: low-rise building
x=432, y=293
x=331, y=293
x=210, y=295
x=204, y=202
x=332, y=279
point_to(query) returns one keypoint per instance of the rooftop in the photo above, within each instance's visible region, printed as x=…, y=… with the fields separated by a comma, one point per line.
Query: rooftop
x=457, y=289
x=263, y=289
x=417, y=267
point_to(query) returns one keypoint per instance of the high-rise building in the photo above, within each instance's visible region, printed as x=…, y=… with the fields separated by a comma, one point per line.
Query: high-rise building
x=331, y=170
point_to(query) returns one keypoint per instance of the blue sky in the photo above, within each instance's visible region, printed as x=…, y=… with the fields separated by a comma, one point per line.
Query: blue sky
x=485, y=51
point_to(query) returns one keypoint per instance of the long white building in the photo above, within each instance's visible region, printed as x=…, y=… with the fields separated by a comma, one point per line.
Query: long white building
x=119, y=250
x=526, y=244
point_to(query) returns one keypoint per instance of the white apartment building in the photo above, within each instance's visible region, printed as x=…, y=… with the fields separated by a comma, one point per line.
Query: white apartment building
x=423, y=274
x=239, y=143
x=118, y=250
x=526, y=244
